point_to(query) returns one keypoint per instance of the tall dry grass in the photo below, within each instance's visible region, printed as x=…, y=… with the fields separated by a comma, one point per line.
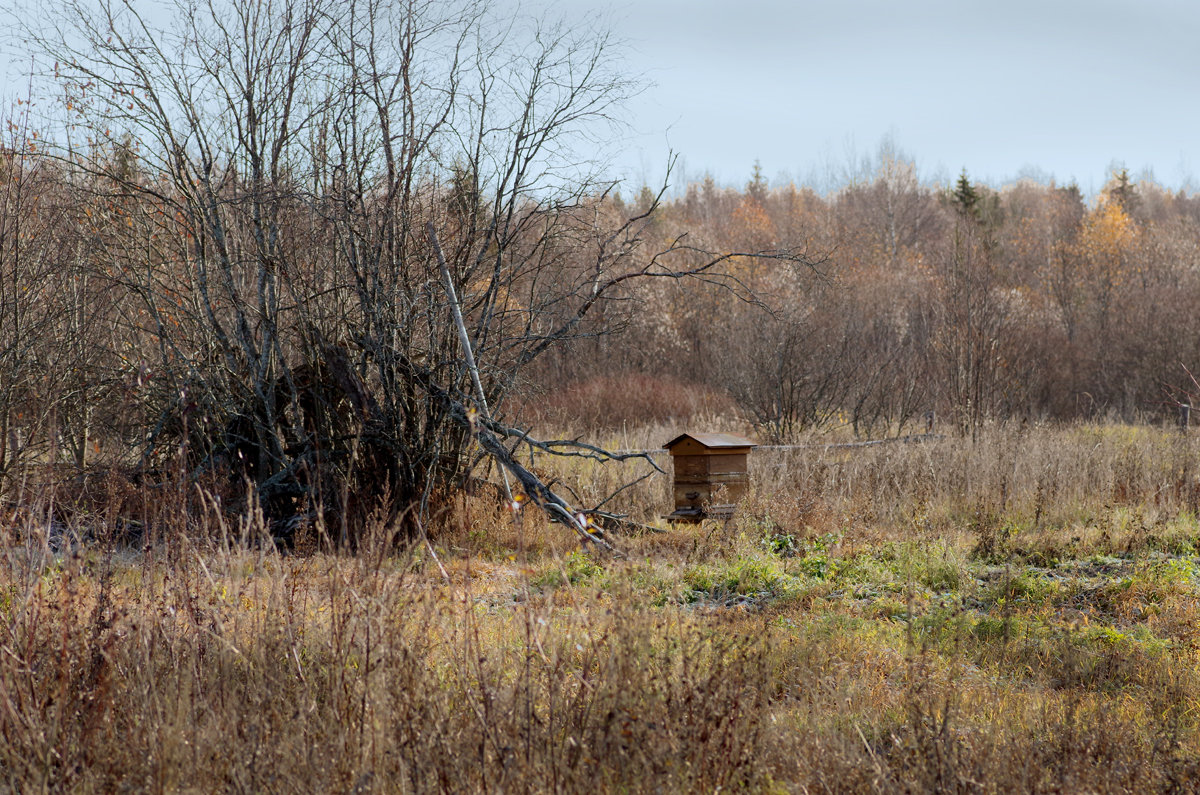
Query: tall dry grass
x=1039, y=485
x=891, y=647
x=256, y=673
x=1037, y=481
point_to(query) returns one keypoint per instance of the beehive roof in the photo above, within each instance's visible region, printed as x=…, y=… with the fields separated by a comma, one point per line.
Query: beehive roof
x=712, y=440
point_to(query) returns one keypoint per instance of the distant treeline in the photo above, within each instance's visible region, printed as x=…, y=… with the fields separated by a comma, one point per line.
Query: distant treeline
x=1026, y=302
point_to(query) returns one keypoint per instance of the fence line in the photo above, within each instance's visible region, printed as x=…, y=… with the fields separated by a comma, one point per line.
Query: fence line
x=917, y=437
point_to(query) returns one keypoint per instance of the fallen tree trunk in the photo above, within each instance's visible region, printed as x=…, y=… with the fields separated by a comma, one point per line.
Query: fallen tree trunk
x=485, y=432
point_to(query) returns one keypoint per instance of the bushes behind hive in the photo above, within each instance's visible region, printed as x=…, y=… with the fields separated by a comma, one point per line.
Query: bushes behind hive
x=626, y=399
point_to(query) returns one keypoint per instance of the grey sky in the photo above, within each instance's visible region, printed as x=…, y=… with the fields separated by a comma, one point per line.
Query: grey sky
x=1055, y=88
x=1050, y=88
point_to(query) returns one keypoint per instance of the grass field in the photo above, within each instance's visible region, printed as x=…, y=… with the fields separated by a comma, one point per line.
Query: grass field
x=1014, y=615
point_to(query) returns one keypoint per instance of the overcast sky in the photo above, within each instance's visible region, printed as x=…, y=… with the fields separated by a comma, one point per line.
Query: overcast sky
x=1057, y=89
x=1048, y=88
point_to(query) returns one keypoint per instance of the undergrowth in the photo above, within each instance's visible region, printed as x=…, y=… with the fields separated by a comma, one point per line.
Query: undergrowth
x=947, y=639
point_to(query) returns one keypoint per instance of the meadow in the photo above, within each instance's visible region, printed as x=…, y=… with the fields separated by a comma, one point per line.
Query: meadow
x=1014, y=614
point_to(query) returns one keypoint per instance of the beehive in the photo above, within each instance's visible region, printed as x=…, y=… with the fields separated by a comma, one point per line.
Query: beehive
x=708, y=466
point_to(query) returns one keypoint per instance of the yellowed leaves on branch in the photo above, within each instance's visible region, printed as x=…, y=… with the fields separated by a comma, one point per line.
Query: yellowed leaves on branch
x=1106, y=241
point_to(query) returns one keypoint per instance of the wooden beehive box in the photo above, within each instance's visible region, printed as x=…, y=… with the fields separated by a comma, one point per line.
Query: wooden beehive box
x=704, y=463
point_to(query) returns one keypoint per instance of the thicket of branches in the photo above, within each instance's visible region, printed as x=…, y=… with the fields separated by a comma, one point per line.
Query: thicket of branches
x=217, y=250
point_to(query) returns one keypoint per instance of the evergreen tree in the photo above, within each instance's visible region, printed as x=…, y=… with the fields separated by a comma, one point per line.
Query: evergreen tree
x=965, y=197
x=756, y=188
x=1122, y=190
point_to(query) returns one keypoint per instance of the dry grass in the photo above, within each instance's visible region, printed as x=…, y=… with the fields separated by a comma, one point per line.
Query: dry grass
x=1018, y=615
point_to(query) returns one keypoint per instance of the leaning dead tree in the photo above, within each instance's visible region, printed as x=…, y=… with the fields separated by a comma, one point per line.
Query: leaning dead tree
x=273, y=168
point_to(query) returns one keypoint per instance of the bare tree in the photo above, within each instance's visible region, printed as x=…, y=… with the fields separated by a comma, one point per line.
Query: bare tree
x=39, y=364
x=283, y=161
